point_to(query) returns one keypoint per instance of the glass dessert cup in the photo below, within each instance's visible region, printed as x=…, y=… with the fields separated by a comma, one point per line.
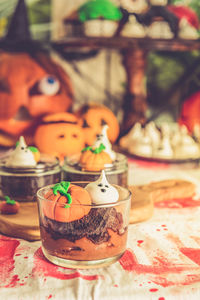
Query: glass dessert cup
x=22, y=183
x=95, y=240
x=116, y=173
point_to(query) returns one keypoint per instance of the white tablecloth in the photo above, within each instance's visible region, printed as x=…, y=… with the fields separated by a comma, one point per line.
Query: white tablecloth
x=162, y=260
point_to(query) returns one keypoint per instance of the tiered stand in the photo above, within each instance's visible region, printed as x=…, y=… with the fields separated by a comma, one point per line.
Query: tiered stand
x=134, y=52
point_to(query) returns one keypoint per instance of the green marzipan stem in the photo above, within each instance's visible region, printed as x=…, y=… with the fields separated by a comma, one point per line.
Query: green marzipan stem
x=33, y=149
x=96, y=150
x=62, y=188
x=9, y=201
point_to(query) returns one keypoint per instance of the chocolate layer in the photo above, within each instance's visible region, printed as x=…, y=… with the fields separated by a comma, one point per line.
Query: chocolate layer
x=93, y=226
x=24, y=188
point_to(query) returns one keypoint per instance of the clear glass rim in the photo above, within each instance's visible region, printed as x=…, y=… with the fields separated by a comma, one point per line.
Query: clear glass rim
x=47, y=163
x=108, y=204
x=73, y=162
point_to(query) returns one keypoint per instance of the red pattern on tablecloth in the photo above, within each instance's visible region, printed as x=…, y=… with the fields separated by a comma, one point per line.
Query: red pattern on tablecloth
x=149, y=164
x=178, y=203
x=42, y=267
x=7, y=251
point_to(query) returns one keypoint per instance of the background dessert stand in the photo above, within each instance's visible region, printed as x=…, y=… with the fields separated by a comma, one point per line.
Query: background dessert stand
x=193, y=161
x=134, y=52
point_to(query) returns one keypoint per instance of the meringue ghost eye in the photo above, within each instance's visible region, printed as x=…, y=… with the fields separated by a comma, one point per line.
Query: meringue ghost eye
x=49, y=85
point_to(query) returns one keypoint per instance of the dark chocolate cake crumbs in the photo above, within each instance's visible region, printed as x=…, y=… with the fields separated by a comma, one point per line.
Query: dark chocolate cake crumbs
x=23, y=188
x=93, y=226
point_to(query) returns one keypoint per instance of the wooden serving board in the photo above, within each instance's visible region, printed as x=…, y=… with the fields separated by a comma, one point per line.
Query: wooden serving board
x=24, y=224
x=142, y=208
x=144, y=196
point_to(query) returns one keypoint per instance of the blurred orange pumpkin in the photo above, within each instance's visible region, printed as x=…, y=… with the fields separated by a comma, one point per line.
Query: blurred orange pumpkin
x=60, y=135
x=30, y=87
x=94, y=116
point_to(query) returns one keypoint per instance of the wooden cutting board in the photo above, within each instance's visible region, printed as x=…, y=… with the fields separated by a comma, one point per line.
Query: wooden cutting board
x=142, y=208
x=144, y=196
x=24, y=224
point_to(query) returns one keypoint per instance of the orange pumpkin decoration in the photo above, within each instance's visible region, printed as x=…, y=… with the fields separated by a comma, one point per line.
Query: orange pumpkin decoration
x=36, y=153
x=94, y=159
x=94, y=116
x=67, y=202
x=190, y=112
x=30, y=87
x=60, y=135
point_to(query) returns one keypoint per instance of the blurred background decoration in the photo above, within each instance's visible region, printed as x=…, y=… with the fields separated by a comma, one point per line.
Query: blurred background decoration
x=171, y=77
x=165, y=71
x=31, y=83
x=39, y=17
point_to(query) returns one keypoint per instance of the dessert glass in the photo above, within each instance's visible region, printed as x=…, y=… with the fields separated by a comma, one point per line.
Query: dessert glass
x=116, y=173
x=22, y=183
x=95, y=240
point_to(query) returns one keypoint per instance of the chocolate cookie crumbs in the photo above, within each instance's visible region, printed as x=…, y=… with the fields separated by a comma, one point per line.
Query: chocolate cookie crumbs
x=93, y=226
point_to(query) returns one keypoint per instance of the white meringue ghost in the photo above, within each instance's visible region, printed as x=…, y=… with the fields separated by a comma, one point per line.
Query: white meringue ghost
x=133, y=28
x=187, y=146
x=21, y=156
x=154, y=134
x=165, y=149
x=143, y=147
x=187, y=31
x=132, y=137
x=103, y=139
x=101, y=191
x=196, y=132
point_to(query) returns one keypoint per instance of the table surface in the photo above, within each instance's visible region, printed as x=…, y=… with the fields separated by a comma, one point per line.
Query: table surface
x=162, y=260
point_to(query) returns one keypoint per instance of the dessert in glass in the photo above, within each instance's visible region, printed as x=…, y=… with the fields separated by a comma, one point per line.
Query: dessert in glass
x=88, y=164
x=84, y=224
x=24, y=170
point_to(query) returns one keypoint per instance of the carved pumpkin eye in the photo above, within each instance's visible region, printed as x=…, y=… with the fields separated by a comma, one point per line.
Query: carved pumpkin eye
x=49, y=85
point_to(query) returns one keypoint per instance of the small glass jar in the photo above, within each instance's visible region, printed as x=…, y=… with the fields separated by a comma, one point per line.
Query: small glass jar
x=116, y=173
x=96, y=239
x=22, y=183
